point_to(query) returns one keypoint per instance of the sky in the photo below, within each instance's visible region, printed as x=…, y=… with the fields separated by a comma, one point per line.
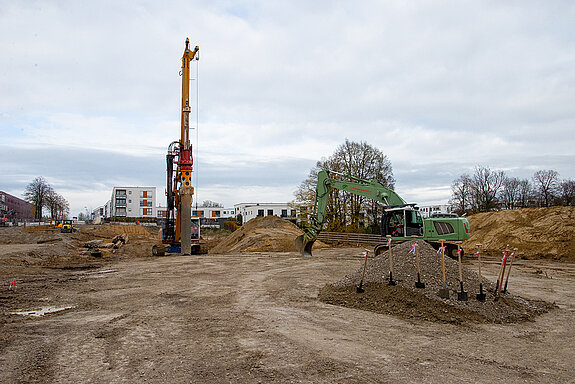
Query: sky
x=90, y=92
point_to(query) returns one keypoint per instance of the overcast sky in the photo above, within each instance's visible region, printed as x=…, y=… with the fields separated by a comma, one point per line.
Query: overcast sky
x=90, y=92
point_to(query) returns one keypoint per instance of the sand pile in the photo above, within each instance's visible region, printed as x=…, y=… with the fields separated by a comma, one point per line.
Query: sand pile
x=109, y=231
x=536, y=232
x=261, y=234
x=406, y=301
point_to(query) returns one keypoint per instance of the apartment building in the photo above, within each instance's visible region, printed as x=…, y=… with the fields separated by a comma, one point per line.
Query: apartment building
x=428, y=210
x=251, y=210
x=14, y=209
x=133, y=202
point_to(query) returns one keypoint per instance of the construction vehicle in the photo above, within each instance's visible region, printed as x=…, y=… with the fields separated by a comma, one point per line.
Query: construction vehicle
x=400, y=220
x=66, y=226
x=181, y=234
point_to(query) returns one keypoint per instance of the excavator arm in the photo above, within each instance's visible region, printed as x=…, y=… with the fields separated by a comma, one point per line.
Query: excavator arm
x=371, y=189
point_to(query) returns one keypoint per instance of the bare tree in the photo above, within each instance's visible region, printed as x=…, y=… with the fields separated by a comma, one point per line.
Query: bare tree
x=461, y=194
x=510, y=192
x=36, y=193
x=567, y=192
x=344, y=210
x=486, y=186
x=57, y=205
x=525, y=193
x=545, y=185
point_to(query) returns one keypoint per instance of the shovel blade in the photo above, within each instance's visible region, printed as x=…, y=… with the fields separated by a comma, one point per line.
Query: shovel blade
x=419, y=284
x=359, y=288
x=462, y=296
x=304, y=246
x=480, y=297
x=444, y=293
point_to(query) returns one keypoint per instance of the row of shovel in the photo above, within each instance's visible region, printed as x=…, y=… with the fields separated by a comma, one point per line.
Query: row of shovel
x=444, y=291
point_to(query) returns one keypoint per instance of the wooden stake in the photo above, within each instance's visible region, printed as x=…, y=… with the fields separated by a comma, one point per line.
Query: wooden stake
x=502, y=274
x=443, y=292
x=513, y=256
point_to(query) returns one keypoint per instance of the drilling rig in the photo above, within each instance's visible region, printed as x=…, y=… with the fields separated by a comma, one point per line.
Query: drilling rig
x=181, y=234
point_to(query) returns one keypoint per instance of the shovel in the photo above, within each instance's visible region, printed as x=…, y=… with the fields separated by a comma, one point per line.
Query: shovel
x=418, y=283
x=501, y=274
x=481, y=295
x=511, y=257
x=359, y=288
x=443, y=292
x=461, y=296
x=391, y=281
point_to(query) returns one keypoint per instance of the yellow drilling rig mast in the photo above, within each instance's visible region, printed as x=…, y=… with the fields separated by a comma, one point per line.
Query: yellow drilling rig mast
x=178, y=227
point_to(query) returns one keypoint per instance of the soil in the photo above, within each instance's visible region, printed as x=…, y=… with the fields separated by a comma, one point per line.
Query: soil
x=262, y=234
x=538, y=233
x=258, y=316
x=404, y=299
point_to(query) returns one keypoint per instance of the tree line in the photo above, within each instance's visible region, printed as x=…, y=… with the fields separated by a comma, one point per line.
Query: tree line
x=487, y=190
x=41, y=195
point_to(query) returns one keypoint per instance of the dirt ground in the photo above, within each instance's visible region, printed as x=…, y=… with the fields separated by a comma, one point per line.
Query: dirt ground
x=254, y=317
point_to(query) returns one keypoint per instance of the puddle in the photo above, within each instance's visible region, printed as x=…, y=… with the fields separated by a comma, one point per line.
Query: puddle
x=42, y=311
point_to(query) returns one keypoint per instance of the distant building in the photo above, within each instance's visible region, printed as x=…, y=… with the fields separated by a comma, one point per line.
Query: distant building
x=98, y=214
x=132, y=202
x=209, y=216
x=13, y=209
x=251, y=210
x=428, y=210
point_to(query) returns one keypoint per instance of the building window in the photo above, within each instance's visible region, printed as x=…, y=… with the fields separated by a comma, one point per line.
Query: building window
x=120, y=192
x=284, y=212
x=270, y=212
x=260, y=212
x=121, y=202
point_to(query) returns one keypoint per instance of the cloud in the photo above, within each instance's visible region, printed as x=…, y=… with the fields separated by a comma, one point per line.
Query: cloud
x=438, y=86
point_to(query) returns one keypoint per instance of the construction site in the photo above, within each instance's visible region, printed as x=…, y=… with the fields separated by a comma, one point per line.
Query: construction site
x=483, y=298
x=253, y=309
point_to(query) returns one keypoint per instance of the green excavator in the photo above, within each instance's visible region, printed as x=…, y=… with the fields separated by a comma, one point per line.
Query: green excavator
x=400, y=221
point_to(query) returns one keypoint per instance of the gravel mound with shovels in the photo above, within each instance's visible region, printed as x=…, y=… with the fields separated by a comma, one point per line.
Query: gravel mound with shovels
x=407, y=301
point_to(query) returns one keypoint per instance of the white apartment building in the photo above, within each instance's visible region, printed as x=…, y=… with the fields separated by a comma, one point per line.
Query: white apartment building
x=251, y=210
x=428, y=210
x=202, y=212
x=133, y=202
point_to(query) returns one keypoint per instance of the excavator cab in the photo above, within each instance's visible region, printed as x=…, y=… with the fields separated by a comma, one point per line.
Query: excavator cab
x=401, y=222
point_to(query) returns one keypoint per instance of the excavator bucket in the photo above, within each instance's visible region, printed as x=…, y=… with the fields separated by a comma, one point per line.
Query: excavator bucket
x=304, y=246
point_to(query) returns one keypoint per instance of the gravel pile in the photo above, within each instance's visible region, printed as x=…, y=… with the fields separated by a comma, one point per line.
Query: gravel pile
x=406, y=301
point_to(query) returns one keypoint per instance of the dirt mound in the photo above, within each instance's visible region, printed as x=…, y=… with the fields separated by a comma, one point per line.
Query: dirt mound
x=536, y=232
x=406, y=301
x=113, y=230
x=261, y=234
